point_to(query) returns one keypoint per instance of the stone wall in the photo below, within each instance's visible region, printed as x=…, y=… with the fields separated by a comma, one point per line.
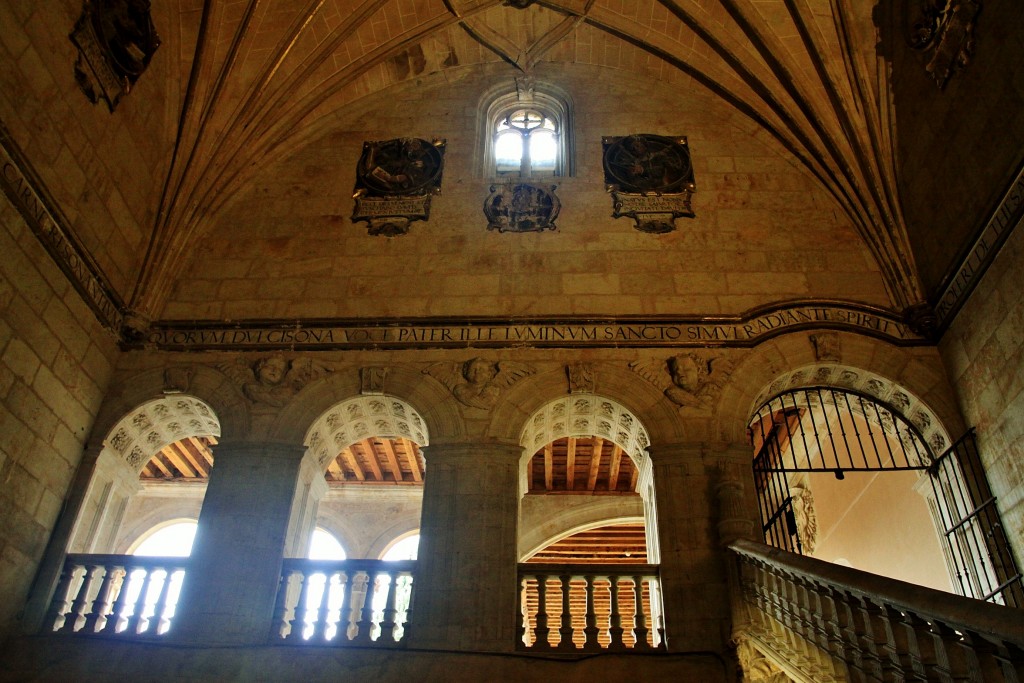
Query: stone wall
x=983, y=353
x=55, y=363
x=105, y=170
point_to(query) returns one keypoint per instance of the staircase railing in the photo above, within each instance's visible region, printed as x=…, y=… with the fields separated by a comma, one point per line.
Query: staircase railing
x=821, y=622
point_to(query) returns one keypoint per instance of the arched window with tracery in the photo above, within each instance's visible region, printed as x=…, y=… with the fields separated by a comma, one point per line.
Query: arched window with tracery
x=528, y=134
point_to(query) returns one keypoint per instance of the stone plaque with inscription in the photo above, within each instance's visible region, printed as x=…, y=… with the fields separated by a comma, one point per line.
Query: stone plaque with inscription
x=395, y=180
x=650, y=178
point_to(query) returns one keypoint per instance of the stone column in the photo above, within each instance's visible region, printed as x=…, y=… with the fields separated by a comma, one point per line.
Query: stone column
x=693, y=584
x=310, y=488
x=465, y=595
x=228, y=594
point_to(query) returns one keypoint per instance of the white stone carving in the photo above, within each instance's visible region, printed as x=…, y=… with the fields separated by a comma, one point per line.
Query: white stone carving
x=140, y=434
x=346, y=423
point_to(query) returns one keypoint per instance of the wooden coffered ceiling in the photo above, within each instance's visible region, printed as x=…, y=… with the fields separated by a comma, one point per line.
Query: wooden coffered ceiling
x=249, y=81
x=378, y=461
x=611, y=544
x=185, y=460
x=581, y=465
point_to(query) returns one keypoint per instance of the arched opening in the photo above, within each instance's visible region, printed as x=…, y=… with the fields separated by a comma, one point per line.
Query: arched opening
x=405, y=547
x=362, y=478
x=131, y=539
x=858, y=470
x=585, y=467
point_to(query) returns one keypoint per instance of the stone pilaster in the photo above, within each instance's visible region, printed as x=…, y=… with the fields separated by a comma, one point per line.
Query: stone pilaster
x=310, y=488
x=228, y=595
x=466, y=594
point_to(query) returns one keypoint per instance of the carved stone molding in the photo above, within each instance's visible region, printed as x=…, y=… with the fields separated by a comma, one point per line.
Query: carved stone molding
x=650, y=178
x=826, y=347
x=379, y=416
x=478, y=382
x=587, y=415
x=116, y=40
x=943, y=30
x=371, y=380
x=690, y=380
x=522, y=207
x=395, y=180
x=273, y=380
x=140, y=434
x=581, y=377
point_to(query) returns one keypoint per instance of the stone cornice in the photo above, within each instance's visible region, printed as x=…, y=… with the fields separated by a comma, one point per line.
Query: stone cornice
x=29, y=195
x=694, y=331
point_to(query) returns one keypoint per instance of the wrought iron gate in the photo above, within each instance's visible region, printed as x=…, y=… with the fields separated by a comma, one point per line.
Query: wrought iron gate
x=823, y=429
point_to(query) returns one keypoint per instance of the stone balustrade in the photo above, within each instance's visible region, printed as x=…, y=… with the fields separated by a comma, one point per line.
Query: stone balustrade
x=117, y=595
x=823, y=622
x=569, y=608
x=357, y=602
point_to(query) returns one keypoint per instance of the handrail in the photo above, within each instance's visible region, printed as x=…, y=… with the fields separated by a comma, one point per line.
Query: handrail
x=984, y=618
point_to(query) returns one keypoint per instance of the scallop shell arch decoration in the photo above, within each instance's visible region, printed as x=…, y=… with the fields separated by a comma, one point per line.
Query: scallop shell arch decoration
x=587, y=415
x=886, y=391
x=144, y=431
x=361, y=418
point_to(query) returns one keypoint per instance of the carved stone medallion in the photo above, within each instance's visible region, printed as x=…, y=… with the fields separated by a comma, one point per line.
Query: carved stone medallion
x=693, y=381
x=943, y=30
x=116, y=40
x=272, y=381
x=650, y=178
x=395, y=180
x=478, y=382
x=522, y=207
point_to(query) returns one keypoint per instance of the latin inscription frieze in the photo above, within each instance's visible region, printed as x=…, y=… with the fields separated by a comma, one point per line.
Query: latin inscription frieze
x=541, y=334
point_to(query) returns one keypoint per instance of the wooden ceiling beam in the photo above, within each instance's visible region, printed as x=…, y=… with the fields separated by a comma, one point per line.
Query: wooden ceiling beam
x=157, y=463
x=596, y=455
x=412, y=459
x=202, y=447
x=194, y=456
x=613, y=468
x=388, y=447
x=178, y=461
x=372, y=458
x=570, y=464
x=549, y=467
x=336, y=470
x=635, y=477
x=349, y=456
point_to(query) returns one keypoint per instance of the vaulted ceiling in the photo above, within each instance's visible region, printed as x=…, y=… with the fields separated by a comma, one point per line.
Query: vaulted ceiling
x=257, y=75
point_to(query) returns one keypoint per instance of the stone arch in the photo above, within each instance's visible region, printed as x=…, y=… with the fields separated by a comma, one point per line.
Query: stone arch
x=587, y=415
x=568, y=524
x=918, y=370
x=361, y=417
x=144, y=431
x=887, y=392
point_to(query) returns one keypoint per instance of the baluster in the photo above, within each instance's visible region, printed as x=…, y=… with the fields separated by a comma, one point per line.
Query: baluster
x=615, y=618
x=348, y=608
x=100, y=604
x=388, y=624
x=565, y=620
x=139, y=609
x=56, y=617
x=542, y=630
x=985, y=655
x=278, y=622
x=407, y=614
x=299, y=618
x=640, y=630
x=365, y=625
x=590, y=630
x=160, y=606
x=120, y=603
x=954, y=655
x=319, y=612
x=81, y=604
x=908, y=649
x=523, y=618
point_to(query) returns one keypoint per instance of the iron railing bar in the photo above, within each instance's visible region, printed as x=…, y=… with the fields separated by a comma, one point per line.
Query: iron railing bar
x=977, y=512
x=800, y=424
x=789, y=432
x=831, y=433
x=1003, y=586
x=872, y=468
x=856, y=432
x=871, y=432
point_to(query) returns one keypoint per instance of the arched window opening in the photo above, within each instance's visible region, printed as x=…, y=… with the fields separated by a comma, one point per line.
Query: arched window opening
x=841, y=473
x=406, y=548
x=585, y=464
x=528, y=133
x=324, y=546
x=173, y=539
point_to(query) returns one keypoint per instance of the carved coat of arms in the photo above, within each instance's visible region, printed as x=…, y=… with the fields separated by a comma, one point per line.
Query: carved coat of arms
x=395, y=180
x=116, y=40
x=650, y=178
x=522, y=207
